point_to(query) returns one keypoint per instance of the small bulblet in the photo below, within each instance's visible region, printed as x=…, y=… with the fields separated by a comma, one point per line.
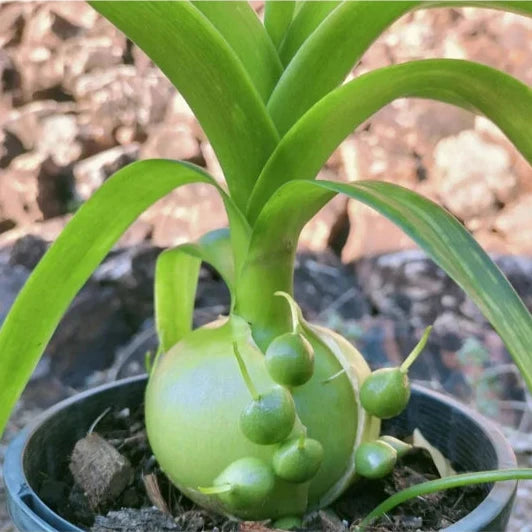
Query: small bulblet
x=298, y=459
x=247, y=481
x=290, y=359
x=385, y=393
x=269, y=418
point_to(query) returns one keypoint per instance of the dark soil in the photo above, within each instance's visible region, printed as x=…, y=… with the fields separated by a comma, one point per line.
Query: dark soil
x=151, y=503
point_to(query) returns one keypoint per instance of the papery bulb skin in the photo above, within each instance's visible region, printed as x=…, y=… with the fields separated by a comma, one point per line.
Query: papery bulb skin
x=290, y=359
x=400, y=446
x=194, y=402
x=385, y=393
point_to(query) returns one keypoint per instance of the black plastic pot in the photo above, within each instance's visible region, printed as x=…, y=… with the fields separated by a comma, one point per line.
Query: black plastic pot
x=469, y=440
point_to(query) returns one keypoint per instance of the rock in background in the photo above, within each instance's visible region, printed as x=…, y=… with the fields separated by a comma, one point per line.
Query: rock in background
x=78, y=101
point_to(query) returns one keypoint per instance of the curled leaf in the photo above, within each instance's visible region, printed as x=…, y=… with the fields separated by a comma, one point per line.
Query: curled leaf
x=443, y=465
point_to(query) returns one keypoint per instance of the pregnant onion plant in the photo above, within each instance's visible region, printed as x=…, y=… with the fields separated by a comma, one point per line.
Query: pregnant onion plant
x=261, y=414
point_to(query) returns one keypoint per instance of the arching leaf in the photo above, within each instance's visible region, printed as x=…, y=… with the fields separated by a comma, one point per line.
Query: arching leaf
x=76, y=253
x=329, y=53
x=241, y=28
x=440, y=484
x=440, y=235
x=176, y=279
x=210, y=76
x=503, y=99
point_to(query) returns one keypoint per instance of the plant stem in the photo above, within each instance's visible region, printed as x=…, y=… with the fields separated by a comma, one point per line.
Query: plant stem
x=256, y=285
x=301, y=442
x=416, y=351
x=245, y=374
x=215, y=490
x=455, y=481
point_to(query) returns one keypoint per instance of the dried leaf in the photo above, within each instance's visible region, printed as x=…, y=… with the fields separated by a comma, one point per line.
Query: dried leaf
x=154, y=493
x=443, y=465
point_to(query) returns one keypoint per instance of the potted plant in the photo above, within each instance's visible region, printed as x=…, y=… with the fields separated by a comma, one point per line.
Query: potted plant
x=272, y=415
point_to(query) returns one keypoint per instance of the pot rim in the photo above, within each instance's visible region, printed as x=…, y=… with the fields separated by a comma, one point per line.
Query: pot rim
x=18, y=487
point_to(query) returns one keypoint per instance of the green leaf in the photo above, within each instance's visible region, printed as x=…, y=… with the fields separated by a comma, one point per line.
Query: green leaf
x=503, y=99
x=269, y=265
x=328, y=54
x=432, y=486
x=215, y=248
x=243, y=31
x=210, y=76
x=440, y=235
x=277, y=18
x=76, y=253
x=308, y=18
x=176, y=279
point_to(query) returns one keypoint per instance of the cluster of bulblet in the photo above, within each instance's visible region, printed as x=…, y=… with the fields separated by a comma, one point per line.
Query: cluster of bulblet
x=269, y=419
x=385, y=394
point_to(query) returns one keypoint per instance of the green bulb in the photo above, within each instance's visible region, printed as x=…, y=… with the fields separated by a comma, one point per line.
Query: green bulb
x=269, y=418
x=375, y=459
x=290, y=359
x=298, y=460
x=288, y=523
x=385, y=393
x=247, y=481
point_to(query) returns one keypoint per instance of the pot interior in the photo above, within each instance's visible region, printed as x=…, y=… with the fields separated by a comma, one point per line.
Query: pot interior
x=49, y=446
x=447, y=425
x=465, y=443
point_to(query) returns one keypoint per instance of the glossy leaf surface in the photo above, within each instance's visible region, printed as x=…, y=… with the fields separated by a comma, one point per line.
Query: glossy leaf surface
x=277, y=19
x=76, y=253
x=309, y=17
x=243, y=31
x=440, y=235
x=208, y=73
x=328, y=54
x=500, y=97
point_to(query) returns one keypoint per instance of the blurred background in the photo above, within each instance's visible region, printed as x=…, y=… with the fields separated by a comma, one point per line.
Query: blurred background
x=78, y=101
